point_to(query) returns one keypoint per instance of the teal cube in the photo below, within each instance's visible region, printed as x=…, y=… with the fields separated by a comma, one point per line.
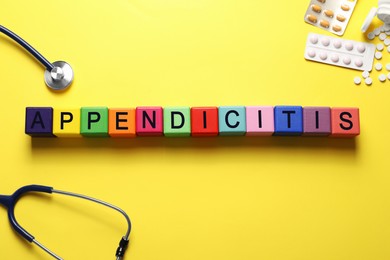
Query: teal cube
x=232, y=120
x=177, y=121
x=94, y=121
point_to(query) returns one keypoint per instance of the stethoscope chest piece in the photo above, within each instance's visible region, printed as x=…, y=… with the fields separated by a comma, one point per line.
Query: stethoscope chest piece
x=60, y=77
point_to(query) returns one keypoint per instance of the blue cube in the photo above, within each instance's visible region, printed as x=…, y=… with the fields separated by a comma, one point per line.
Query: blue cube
x=288, y=120
x=232, y=120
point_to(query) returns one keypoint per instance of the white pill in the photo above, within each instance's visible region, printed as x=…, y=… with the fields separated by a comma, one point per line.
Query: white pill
x=314, y=39
x=357, y=80
x=378, y=66
x=361, y=48
x=382, y=78
x=337, y=44
x=335, y=58
x=365, y=74
x=387, y=27
x=349, y=46
x=382, y=36
x=387, y=41
x=311, y=53
x=379, y=47
x=378, y=55
x=359, y=62
x=323, y=56
x=388, y=66
x=368, y=81
x=347, y=60
x=325, y=41
x=371, y=36
x=382, y=28
x=377, y=31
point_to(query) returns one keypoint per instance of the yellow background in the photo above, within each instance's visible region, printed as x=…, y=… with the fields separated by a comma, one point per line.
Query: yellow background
x=219, y=198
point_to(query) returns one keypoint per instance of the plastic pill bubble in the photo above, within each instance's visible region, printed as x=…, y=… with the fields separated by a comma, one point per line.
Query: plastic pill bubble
x=371, y=36
x=378, y=66
x=379, y=47
x=336, y=28
x=345, y=7
x=361, y=48
x=311, y=53
x=357, y=80
x=382, y=36
x=365, y=74
x=378, y=55
x=324, y=23
x=325, y=41
x=323, y=56
x=377, y=31
x=335, y=58
x=387, y=41
x=329, y=13
x=311, y=18
x=341, y=18
x=368, y=81
x=359, y=62
x=382, y=78
x=337, y=44
x=316, y=8
x=321, y=1
x=314, y=39
x=347, y=60
x=349, y=46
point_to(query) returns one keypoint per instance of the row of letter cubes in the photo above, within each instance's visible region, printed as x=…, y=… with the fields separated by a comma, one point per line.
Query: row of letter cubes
x=194, y=121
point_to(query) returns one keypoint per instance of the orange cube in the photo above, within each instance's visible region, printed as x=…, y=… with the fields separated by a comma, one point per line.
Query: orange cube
x=121, y=122
x=345, y=122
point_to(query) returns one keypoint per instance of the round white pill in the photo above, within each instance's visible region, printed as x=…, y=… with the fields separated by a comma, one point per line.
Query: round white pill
x=382, y=36
x=349, y=46
x=337, y=44
x=377, y=31
x=361, y=48
x=371, y=36
x=347, y=60
x=378, y=55
x=365, y=74
x=314, y=39
x=368, y=81
x=379, y=47
x=311, y=53
x=378, y=66
x=335, y=58
x=357, y=80
x=359, y=62
x=323, y=56
x=325, y=41
x=382, y=28
x=382, y=78
x=388, y=66
x=387, y=41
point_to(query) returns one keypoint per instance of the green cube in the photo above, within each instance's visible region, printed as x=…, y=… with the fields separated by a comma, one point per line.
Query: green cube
x=177, y=121
x=94, y=121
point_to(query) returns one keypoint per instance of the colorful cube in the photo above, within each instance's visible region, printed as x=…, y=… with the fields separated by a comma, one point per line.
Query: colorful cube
x=39, y=121
x=177, y=121
x=232, y=120
x=204, y=121
x=121, y=122
x=316, y=121
x=288, y=120
x=149, y=121
x=259, y=120
x=94, y=122
x=66, y=122
x=345, y=122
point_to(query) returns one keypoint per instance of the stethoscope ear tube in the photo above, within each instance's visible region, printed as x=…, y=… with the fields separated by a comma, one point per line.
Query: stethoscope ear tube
x=58, y=75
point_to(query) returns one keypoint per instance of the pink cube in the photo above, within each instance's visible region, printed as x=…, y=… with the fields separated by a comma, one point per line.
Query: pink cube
x=149, y=121
x=259, y=120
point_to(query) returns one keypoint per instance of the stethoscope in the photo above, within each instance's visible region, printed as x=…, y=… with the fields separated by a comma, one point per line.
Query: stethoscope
x=58, y=75
x=10, y=201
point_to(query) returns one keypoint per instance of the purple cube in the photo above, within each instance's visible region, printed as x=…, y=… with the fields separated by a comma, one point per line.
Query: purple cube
x=316, y=121
x=39, y=121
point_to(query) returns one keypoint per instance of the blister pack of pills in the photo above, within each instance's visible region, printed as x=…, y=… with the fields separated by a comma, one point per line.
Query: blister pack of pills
x=330, y=15
x=338, y=52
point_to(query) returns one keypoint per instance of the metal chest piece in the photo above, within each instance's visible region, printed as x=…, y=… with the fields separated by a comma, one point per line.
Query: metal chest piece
x=60, y=77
